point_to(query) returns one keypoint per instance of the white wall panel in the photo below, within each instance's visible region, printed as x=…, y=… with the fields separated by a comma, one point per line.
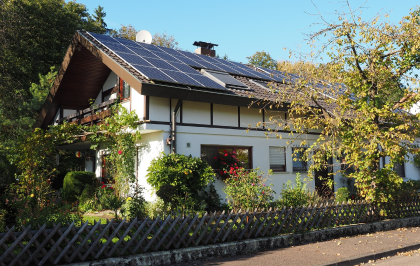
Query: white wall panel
x=196, y=113
x=159, y=109
x=137, y=103
x=250, y=117
x=151, y=146
x=225, y=115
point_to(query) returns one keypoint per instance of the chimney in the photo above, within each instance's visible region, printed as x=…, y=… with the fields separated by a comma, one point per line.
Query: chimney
x=205, y=48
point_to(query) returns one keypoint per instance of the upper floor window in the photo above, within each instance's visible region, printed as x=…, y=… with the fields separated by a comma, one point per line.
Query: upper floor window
x=400, y=169
x=277, y=159
x=299, y=163
x=124, y=89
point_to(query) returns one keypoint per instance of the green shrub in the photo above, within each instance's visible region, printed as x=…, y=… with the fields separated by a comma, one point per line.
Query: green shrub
x=136, y=204
x=188, y=176
x=75, y=182
x=157, y=208
x=294, y=195
x=2, y=220
x=246, y=189
x=342, y=195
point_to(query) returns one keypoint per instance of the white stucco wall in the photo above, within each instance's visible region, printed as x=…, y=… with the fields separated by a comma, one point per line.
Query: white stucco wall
x=196, y=113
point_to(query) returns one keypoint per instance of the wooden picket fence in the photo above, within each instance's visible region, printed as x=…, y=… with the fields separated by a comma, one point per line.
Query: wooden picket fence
x=89, y=242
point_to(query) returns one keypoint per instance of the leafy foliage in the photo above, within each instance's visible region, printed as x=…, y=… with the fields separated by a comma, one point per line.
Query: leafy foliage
x=228, y=164
x=164, y=40
x=75, y=183
x=34, y=38
x=248, y=190
x=188, y=175
x=342, y=195
x=294, y=195
x=262, y=59
x=357, y=117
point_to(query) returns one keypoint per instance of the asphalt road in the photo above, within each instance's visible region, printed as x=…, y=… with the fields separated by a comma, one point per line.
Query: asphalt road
x=328, y=252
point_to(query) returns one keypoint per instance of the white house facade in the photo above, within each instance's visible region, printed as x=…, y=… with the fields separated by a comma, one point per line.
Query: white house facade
x=211, y=104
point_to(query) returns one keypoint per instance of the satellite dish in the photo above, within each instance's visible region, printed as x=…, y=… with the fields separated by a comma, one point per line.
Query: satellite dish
x=144, y=36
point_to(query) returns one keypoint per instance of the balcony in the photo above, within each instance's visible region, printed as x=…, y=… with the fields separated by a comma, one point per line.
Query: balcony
x=89, y=116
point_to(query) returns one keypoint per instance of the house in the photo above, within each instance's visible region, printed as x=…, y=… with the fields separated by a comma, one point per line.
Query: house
x=190, y=103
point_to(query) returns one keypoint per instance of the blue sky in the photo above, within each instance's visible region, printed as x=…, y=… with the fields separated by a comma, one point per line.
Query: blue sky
x=240, y=28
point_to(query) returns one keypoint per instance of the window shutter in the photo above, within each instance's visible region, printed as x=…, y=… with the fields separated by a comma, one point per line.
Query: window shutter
x=277, y=158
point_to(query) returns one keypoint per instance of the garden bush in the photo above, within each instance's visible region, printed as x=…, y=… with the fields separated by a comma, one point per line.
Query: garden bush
x=188, y=175
x=2, y=220
x=75, y=182
x=294, y=195
x=247, y=189
x=342, y=195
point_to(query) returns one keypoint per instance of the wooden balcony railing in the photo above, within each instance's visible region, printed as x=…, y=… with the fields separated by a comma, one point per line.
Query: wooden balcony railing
x=91, y=115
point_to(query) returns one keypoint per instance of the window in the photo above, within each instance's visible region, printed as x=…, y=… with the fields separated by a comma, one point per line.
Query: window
x=277, y=159
x=243, y=154
x=299, y=165
x=124, y=89
x=400, y=169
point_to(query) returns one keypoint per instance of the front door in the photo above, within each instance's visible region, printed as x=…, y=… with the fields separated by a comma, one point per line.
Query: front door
x=321, y=180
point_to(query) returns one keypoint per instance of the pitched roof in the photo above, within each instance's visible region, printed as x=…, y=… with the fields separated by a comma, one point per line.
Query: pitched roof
x=151, y=70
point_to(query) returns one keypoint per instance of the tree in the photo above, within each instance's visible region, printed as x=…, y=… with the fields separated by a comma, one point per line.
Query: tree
x=34, y=36
x=352, y=109
x=262, y=59
x=164, y=40
x=99, y=22
x=127, y=32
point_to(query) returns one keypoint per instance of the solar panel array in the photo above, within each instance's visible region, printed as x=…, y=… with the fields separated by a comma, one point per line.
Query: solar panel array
x=174, y=66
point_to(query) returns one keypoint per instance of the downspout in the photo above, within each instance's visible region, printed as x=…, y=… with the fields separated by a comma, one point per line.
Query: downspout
x=173, y=125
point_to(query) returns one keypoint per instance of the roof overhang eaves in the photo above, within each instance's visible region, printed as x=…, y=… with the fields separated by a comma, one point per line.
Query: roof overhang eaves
x=187, y=94
x=102, y=56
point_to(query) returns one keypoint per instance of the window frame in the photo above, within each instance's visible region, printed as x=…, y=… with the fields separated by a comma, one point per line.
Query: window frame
x=278, y=170
x=402, y=167
x=296, y=170
x=121, y=89
x=233, y=147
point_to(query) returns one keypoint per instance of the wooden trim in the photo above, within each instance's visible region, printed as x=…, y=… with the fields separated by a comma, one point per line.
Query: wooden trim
x=180, y=114
x=57, y=82
x=239, y=116
x=224, y=127
x=78, y=39
x=147, y=107
x=263, y=118
x=92, y=118
x=211, y=114
x=170, y=109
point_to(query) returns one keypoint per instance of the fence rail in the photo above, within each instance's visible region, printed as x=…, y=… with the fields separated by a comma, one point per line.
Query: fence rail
x=95, y=241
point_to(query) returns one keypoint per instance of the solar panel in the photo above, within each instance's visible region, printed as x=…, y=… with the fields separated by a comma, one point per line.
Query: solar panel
x=206, y=81
x=153, y=73
x=207, y=65
x=161, y=64
x=118, y=48
x=188, y=61
x=143, y=52
x=102, y=38
x=184, y=68
x=151, y=47
x=182, y=78
x=166, y=56
x=134, y=59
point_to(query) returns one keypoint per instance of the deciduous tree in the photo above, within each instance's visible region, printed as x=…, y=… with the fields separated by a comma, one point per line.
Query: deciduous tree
x=262, y=59
x=352, y=107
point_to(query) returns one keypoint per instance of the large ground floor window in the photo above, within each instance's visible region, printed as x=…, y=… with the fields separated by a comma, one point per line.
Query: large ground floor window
x=210, y=153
